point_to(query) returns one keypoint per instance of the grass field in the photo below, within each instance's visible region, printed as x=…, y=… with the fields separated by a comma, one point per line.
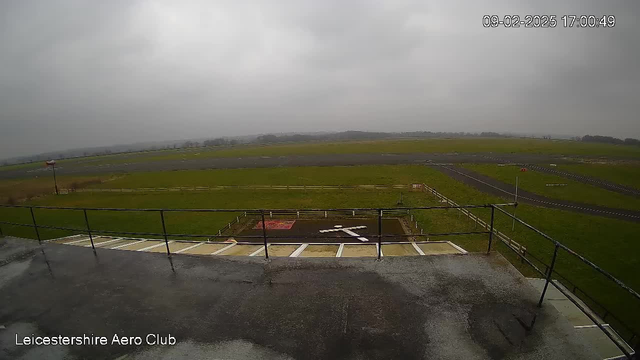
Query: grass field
x=535, y=182
x=312, y=175
x=464, y=145
x=602, y=240
x=476, y=145
x=624, y=174
x=30, y=188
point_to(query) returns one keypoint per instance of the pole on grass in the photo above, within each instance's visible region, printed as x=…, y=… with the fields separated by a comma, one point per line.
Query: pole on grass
x=379, y=234
x=55, y=182
x=493, y=212
x=35, y=226
x=164, y=231
x=86, y=221
x=549, y=274
x=52, y=163
x=264, y=235
x=513, y=225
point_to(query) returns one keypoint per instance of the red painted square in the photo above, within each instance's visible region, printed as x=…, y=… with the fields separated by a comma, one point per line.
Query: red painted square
x=275, y=224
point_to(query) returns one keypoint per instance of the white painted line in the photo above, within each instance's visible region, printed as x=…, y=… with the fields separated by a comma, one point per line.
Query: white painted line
x=77, y=241
x=299, y=250
x=343, y=229
x=339, y=253
x=463, y=251
x=223, y=249
x=349, y=232
x=188, y=248
x=381, y=254
x=415, y=246
x=621, y=356
x=589, y=326
x=259, y=250
x=64, y=238
x=123, y=245
x=154, y=246
x=104, y=242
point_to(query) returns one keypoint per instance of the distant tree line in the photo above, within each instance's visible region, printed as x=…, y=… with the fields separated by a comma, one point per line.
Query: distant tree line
x=610, y=140
x=365, y=135
x=289, y=138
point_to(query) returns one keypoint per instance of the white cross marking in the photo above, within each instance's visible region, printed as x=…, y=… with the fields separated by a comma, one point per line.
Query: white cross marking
x=348, y=231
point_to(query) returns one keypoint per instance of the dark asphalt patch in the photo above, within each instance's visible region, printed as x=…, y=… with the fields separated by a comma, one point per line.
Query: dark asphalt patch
x=306, y=227
x=506, y=191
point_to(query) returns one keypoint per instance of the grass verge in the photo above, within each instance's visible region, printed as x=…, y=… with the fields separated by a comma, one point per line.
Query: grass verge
x=535, y=182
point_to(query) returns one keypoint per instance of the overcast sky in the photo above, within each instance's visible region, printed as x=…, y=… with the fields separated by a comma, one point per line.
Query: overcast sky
x=92, y=73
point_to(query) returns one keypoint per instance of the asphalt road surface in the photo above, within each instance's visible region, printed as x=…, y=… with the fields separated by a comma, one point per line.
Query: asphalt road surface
x=495, y=187
x=284, y=161
x=425, y=307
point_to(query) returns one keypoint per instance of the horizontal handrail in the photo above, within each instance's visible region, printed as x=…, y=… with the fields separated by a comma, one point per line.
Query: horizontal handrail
x=582, y=258
x=254, y=210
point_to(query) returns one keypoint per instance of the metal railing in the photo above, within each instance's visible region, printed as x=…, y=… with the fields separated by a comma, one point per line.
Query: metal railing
x=372, y=212
x=549, y=269
x=548, y=275
x=368, y=212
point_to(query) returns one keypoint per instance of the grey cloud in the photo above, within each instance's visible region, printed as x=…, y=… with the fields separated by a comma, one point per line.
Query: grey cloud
x=77, y=73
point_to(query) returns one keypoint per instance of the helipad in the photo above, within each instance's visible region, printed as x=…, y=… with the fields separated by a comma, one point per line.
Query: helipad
x=290, y=249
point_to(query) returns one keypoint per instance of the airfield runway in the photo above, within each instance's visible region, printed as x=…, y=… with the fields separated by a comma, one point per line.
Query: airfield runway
x=286, y=161
x=495, y=187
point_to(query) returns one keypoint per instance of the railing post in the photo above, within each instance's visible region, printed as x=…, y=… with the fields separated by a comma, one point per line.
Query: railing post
x=549, y=273
x=35, y=226
x=86, y=221
x=379, y=234
x=164, y=231
x=493, y=212
x=264, y=235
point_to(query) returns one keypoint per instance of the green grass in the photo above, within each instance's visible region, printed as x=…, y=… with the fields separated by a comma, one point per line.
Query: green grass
x=607, y=242
x=624, y=174
x=22, y=166
x=461, y=145
x=338, y=175
x=535, y=182
x=183, y=222
x=43, y=185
